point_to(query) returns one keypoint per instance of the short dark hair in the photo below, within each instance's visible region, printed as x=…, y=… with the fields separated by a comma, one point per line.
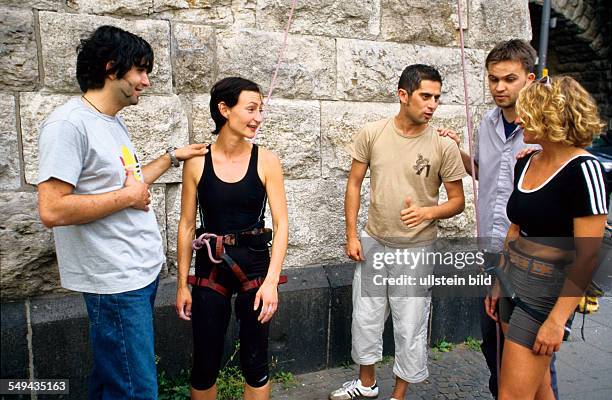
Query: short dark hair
x=228, y=90
x=413, y=75
x=110, y=44
x=513, y=50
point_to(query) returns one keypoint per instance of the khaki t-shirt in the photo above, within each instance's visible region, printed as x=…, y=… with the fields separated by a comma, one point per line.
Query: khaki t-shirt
x=402, y=167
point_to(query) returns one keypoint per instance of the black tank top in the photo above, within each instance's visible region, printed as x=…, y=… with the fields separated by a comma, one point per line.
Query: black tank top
x=232, y=207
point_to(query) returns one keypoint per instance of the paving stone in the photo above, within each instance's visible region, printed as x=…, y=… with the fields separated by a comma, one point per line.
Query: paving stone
x=452, y=364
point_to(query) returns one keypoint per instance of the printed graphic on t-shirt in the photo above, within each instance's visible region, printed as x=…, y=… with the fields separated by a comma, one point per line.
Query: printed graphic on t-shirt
x=422, y=164
x=130, y=162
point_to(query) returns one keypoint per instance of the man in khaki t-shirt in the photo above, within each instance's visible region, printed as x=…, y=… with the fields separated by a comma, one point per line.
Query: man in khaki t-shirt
x=403, y=167
x=408, y=162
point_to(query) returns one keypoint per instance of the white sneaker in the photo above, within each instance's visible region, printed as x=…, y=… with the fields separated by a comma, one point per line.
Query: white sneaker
x=354, y=390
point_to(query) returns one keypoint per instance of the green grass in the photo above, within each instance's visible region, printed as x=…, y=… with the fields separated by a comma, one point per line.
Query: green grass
x=472, y=344
x=230, y=383
x=285, y=379
x=442, y=346
x=173, y=389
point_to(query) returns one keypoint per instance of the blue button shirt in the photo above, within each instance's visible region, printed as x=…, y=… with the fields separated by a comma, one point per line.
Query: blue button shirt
x=496, y=157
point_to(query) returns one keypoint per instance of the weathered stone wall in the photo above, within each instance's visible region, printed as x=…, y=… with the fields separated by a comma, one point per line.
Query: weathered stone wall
x=341, y=66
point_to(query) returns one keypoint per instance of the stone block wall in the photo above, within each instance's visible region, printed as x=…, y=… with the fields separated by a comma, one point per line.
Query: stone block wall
x=341, y=67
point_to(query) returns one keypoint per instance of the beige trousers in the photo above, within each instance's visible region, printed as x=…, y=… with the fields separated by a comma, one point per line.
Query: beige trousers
x=375, y=298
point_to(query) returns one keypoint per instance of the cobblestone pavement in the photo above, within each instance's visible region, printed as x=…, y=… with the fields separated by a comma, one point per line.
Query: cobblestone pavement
x=585, y=367
x=458, y=374
x=584, y=370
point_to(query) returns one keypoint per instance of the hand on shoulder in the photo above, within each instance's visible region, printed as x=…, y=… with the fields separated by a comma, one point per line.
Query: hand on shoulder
x=456, y=137
x=193, y=166
x=525, y=152
x=191, y=150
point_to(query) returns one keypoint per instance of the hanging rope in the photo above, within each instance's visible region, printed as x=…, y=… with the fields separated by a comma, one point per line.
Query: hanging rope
x=468, y=116
x=474, y=189
x=278, y=63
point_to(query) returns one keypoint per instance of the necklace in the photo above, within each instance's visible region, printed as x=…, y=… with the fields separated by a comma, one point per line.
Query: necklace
x=91, y=104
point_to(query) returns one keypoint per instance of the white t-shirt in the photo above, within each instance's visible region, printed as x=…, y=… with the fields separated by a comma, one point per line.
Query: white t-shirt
x=114, y=254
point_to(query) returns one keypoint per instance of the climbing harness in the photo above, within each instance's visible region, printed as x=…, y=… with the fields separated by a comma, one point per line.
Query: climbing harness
x=253, y=237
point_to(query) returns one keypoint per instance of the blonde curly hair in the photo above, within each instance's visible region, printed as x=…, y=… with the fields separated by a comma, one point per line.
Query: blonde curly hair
x=559, y=110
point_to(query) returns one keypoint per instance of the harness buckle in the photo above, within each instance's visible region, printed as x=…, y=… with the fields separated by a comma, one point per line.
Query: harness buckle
x=220, y=241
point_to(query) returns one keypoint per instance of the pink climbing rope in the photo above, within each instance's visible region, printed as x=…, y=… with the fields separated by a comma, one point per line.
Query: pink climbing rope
x=468, y=117
x=475, y=191
x=278, y=64
x=204, y=240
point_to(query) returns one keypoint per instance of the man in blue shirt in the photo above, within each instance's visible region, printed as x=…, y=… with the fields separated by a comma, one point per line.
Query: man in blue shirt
x=510, y=67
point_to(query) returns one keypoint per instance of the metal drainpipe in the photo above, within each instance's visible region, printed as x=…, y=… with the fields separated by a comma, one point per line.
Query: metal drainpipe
x=543, y=47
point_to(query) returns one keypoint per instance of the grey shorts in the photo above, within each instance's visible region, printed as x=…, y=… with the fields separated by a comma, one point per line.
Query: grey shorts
x=538, y=292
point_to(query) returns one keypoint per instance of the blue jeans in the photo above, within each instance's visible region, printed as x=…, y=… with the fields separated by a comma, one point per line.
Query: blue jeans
x=121, y=337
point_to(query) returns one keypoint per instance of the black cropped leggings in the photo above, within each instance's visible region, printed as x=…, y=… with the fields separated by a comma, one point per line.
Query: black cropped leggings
x=210, y=315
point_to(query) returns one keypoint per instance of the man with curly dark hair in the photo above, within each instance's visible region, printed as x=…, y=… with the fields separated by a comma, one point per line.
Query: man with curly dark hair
x=94, y=193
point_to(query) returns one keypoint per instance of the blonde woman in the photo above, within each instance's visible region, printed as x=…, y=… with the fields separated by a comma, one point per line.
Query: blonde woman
x=558, y=213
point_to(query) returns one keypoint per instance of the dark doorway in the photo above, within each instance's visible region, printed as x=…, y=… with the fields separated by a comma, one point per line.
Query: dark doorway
x=579, y=52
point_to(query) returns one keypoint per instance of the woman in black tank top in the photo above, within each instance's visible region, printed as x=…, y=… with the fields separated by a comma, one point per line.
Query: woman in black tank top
x=230, y=207
x=558, y=212
x=232, y=183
